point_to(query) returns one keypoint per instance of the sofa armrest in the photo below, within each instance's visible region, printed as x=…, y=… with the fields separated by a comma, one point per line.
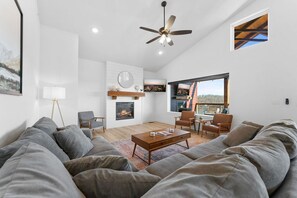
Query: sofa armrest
x=88, y=133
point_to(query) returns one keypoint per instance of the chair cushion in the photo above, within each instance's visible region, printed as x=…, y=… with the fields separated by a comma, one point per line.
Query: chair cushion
x=211, y=128
x=114, y=162
x=73, y=141
x=222, y=118
x=269, y=156
x=183, y=122
x=47, y=125
x=112, y=183
x=32, y=135
x=212, y=176
x=186, y=115
x=86, y=115
x=33, y=171
x=240, y=134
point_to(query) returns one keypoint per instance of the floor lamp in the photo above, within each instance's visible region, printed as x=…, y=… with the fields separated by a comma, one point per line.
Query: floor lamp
x=55, y=94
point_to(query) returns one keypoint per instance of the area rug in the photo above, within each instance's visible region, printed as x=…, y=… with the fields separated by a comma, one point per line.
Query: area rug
x=126, y=148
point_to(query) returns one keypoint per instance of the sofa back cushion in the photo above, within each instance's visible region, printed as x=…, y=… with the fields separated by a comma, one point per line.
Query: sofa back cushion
x=284, y=130
x=240, y=134
x=112, y=183
x=114, y=162
x=270, y=158
x=32, y=135
x=212, y=176
x=73, y=141
x=33, y=171
x=47, y=125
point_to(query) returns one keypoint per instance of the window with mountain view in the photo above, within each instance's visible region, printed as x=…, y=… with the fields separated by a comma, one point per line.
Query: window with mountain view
x=206, y=95
x=210, y=97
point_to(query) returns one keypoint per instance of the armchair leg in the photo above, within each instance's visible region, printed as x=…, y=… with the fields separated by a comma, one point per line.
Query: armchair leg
x=103, y=129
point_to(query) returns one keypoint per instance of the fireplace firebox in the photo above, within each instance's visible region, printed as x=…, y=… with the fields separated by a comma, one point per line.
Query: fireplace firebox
x=124, y=110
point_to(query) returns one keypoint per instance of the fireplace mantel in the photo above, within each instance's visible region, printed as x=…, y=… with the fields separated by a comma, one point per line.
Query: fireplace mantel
x=115, y=94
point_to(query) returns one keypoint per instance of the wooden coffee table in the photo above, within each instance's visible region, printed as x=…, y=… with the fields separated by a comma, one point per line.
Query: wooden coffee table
x=150, y=143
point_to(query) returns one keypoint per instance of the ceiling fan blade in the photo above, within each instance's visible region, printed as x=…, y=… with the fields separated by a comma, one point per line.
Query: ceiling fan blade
x=153, y=39
x=170, y=43
x=170, y=22
x=181, y=32
x=149, y=29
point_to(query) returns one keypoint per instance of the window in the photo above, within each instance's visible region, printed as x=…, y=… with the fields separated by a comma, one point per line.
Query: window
x=206, y=95
x=252, y=32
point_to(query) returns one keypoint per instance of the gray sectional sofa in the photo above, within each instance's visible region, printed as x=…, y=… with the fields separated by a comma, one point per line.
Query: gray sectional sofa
x=260, y=163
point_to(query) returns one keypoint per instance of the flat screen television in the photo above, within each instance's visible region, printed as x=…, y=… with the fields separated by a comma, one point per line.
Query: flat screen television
x=183, y=90
x=154, y=85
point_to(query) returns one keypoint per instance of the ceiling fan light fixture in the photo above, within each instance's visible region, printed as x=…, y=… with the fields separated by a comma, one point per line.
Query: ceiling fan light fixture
x=168, y=39
x=162, y=39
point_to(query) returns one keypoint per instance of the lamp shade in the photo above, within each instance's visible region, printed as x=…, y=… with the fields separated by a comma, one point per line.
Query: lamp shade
x=54, y=93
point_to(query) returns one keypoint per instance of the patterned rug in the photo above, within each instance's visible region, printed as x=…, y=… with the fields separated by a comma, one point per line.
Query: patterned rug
x=126, y=148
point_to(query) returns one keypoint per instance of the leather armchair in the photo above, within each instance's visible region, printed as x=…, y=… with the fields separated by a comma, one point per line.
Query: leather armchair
x=187, y=119
x=220, y=123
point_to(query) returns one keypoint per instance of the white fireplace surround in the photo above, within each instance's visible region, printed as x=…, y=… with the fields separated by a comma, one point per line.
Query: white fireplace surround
x=112, y=72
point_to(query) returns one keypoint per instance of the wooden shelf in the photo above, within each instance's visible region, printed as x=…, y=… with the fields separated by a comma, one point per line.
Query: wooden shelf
x=115, y=94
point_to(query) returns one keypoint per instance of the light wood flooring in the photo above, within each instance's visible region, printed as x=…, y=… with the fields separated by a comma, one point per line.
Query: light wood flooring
x=123, y=133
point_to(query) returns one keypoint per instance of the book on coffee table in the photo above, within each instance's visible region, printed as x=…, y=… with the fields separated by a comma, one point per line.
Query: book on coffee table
x=163, y=133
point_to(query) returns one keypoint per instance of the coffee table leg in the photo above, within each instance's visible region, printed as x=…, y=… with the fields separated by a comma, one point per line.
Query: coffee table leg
x=187, y=144
x=149, y=158
x=134, y=149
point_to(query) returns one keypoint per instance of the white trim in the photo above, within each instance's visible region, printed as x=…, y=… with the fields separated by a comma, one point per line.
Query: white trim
x=244, y=20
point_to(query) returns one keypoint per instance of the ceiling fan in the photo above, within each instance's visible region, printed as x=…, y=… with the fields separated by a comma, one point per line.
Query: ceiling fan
x=165, y=32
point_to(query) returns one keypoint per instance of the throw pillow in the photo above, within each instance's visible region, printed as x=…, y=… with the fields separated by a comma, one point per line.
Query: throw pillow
x=73, y=141
x=215, y=175
x=114, y=162
x=47, y=125
x=33, y=171
x=32, y=135
x=270, y=158
x=240, y=134
x=284, y=130
x=112, y=183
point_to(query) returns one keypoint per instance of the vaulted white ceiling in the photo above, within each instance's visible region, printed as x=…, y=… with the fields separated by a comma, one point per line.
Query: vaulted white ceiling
x=120, y=39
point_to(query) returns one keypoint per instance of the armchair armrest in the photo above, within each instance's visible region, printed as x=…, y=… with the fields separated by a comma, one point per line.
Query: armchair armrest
x=226, y=125
x=98, y=117
x=176, y=118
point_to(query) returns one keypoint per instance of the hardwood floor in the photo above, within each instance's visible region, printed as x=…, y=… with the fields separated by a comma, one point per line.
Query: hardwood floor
x=123, y=133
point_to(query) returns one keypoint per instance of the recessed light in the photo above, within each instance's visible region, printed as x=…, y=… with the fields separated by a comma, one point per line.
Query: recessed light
x=160, y=52
x=95, y=30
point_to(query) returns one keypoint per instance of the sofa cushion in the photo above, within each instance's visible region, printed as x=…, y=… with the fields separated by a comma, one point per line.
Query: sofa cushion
x=212, y=176
x=259, y=126
x=32, y=135
x=212, y=147
x=285, y=131
x=73, y=141
x=288, y=188
x=47, y=125
x=168, y=165
x=240, y=134
x=114, y=162
x=112, y=183
x=270, y=158
x=102, y=147
x=33, y=171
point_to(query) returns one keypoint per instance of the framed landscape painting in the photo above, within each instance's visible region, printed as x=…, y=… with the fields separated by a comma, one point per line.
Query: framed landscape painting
x=11, y=32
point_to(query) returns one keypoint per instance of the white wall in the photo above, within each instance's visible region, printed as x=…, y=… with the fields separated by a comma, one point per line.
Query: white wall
x=112, y=72
x=261, y=76
x=18, y=112
x=59, y=67
x=91, y=86
x=149, y=102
